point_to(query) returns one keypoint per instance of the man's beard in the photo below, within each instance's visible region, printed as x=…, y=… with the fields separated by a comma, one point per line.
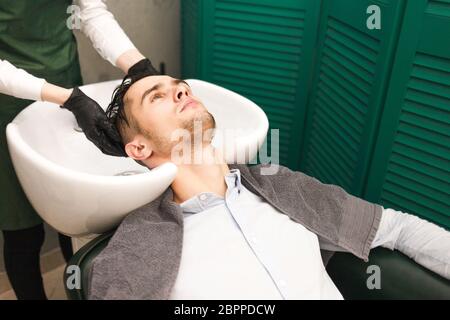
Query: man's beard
x=205, y=118
x=165, y=144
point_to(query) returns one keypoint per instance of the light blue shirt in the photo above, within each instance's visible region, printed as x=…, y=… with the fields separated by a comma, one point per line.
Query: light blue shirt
x=246, y=227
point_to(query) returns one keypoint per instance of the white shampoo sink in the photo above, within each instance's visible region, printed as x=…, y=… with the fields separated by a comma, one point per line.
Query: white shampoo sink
x=78, y=190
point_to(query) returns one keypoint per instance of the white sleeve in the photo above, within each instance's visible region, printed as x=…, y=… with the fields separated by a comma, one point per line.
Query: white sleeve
x=425, y=242
x=19, y=83
x=99, y=25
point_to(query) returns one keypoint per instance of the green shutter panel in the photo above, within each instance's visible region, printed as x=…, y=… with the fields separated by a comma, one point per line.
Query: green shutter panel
x=411, y=164
x=353, y=65
x=263, y=50
x=191, y=24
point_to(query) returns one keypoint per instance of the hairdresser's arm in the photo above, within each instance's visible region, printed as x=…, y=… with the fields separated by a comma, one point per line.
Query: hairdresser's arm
x=89, y=115
x=18, y=83
x=55, y=94
x=106, y=35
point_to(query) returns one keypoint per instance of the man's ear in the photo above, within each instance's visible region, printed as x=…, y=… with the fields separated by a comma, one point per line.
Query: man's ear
x=138, y=149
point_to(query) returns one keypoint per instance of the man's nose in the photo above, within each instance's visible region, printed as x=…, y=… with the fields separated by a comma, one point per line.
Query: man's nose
x=180, y=93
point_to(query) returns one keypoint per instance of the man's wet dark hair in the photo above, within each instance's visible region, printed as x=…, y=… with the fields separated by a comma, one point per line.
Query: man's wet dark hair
x=116, y=108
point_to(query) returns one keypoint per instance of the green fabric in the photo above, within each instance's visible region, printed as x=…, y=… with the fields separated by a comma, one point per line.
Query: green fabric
x=34, y=37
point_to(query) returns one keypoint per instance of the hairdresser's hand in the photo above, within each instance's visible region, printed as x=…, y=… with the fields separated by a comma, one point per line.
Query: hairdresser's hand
x=93, y=121
x=141, y=69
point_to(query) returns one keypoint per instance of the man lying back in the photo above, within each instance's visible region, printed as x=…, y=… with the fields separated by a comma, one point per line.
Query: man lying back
x=229, y=231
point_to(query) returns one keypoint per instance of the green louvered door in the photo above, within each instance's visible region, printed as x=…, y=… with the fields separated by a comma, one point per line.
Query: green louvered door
x=352, y=69
x=192, y=37
x=411, y=163
x=262, y=49
x=364, y=109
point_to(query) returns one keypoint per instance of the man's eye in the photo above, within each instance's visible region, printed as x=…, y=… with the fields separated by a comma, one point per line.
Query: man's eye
x=156, y=96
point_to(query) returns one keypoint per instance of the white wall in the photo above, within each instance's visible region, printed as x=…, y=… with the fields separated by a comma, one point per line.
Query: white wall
x=154, y=28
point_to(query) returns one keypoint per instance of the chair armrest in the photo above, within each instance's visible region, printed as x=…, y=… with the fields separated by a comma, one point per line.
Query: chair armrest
x=83, y=258
x=400, y=277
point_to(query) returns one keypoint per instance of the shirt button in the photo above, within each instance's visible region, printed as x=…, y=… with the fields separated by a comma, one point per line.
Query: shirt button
x=203, y=197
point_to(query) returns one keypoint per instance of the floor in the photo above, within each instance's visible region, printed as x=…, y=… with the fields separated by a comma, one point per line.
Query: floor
x=53, y=283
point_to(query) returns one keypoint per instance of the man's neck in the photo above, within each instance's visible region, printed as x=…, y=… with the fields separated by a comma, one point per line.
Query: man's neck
x=209, y=176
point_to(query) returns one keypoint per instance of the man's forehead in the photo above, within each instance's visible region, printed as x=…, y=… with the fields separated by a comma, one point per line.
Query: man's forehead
x=143, y=84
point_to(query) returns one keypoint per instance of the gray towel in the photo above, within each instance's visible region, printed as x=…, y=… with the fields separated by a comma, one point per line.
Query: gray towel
x=142, y=259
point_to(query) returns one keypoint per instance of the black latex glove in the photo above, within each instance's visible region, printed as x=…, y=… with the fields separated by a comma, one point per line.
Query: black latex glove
x=141, y=69
x=93, y=121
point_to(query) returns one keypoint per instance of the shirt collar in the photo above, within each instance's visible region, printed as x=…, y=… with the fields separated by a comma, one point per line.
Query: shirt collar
x=233, y=179
x=204, y=200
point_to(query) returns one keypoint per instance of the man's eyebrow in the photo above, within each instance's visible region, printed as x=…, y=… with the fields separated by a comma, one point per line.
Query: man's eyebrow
x=159, y=85
x=178, y=81
x=148, y=91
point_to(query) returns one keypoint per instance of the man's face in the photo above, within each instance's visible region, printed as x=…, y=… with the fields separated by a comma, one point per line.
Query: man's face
x=161, y=105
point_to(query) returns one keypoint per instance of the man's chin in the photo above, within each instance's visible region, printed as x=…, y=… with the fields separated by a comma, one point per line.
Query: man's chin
x=199, y=120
